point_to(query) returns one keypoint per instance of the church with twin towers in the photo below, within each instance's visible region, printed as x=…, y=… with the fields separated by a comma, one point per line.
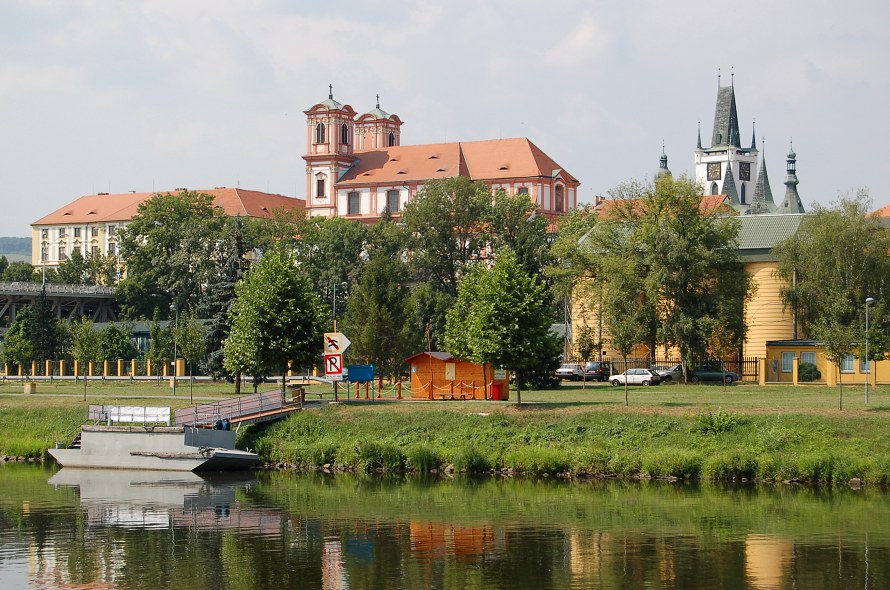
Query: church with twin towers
x=726, y=167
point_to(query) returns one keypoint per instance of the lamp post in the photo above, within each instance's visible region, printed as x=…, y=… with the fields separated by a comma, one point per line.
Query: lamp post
x=868, y=303
x=175, y=308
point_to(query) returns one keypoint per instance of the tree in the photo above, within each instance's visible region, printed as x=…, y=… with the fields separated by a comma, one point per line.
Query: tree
x=331, y=253
x=191, y=338
x=514, y=221
x=72, y=271
x=160, y=347
x=687, y=258
x=447, y=223
x=168, y=252
x=116, y=342
x=375, y=315
x=20, y=272
x=17, y=344
x=217, y=301
x=500, y=317
x=84, y=347
x=277, y=320
x=4, y=264
x=44, y=328
x=425, y=312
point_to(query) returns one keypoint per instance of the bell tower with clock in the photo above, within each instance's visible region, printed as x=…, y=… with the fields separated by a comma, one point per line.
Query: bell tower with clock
x=726, y=167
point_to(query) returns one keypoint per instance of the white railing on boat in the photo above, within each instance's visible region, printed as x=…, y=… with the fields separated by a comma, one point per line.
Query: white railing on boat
x=129, y=414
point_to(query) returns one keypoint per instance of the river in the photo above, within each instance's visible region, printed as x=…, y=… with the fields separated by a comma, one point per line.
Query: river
x=117, y=529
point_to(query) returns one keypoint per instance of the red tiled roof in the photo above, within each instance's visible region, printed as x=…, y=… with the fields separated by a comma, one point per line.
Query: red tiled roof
x=122, y=207
x=709, y=204
x=479, y=160
x=883, y=211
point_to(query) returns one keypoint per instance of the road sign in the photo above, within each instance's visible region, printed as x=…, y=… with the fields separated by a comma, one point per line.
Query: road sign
x=335, y=343
x=333, y=366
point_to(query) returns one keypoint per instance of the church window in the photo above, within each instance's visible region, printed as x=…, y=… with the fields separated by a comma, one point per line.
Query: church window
x=392, y=139
x=392, y=201
x=523, y=190
x=319, y=188
x=743, y=193
x=713, y=188
x=352, y=205
x=559, y=199
x=344, y=134
x=319, y=133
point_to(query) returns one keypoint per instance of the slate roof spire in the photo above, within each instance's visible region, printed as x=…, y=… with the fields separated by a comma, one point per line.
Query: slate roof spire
x=754, y=134
x=662, y=164
x=763, y=195
x=729, y=188
x=698, y=147
x=726, y=118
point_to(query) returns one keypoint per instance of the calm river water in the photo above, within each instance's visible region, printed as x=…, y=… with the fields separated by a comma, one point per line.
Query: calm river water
x=118, y=529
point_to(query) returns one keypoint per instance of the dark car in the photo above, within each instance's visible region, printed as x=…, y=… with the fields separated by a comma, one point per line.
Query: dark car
x=598, y=371
x=713, y=373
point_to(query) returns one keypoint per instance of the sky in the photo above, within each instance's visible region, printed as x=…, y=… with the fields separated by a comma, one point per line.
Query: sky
x=151, y=95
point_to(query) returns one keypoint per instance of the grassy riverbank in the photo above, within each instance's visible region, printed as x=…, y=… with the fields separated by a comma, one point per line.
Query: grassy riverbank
x=707, y=432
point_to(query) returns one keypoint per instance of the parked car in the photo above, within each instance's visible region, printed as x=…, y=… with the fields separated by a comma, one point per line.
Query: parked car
x=668, y=374
x=713, y=373
x=570, y=371
x=598, y=371
x=636, y=377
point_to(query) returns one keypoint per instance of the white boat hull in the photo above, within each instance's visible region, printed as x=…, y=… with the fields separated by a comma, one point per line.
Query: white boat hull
x=164, y=448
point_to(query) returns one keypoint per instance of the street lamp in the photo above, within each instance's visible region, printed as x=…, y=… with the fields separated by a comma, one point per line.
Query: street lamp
x=868, y=303
x=175, y=308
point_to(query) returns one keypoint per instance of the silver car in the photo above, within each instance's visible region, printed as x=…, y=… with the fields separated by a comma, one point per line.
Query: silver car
x=571, y=371
x=636, y=377
x=669, y=374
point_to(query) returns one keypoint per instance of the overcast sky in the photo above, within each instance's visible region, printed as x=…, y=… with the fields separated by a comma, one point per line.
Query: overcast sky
x=113, y=95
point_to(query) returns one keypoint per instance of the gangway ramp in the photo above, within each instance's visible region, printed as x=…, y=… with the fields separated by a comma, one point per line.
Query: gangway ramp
x=245, y=409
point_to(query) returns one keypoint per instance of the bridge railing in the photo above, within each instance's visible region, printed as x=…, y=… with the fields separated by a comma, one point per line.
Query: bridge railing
x=231, y=409
x=56, y=288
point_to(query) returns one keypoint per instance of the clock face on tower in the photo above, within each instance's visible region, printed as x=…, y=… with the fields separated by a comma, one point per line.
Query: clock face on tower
x=714, y=171
x=744, y=170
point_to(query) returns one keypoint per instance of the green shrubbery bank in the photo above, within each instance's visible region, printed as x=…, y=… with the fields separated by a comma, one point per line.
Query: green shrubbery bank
x=743, y=432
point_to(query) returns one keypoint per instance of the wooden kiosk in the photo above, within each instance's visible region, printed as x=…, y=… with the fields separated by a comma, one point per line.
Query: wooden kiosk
x=439, y=376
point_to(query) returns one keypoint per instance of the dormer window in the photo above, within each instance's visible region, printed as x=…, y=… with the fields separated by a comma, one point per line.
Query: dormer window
x=319, y=133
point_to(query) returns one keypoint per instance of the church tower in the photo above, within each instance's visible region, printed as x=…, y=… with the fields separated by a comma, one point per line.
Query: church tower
x=726, y=167
x=377, y=129
x=330, y=143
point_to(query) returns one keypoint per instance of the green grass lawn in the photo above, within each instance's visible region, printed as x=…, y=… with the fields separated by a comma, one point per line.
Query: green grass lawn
x=707, y=431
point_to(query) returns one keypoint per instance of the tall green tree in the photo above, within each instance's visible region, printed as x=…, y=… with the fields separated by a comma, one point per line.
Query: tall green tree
x=17, y=344
x=20, y=272
x=168, y=252
x=515, y=222
x=375, y=315
x=84, y=347
x=331, y=253
x=447, y=223
x=835, y=261
x=44, y=328
x=219, y=294
x=277, y=320
x=501, y=317
x=191, y=340
x=116, y=342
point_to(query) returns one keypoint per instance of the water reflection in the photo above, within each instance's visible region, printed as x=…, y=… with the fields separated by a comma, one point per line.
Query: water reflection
x=95, y=528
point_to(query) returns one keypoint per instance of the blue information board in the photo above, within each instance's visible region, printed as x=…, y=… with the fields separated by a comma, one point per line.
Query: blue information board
x=360, y=373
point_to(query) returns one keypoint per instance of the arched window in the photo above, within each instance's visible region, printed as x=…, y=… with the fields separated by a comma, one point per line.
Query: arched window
x=559, y=198
x=392, y=139
x=344, y=134
x=713, y=188
x=352, y=205
x=743, y=193
x=319, y=133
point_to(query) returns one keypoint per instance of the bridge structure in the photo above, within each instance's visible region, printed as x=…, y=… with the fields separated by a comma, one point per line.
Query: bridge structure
x=93, y=301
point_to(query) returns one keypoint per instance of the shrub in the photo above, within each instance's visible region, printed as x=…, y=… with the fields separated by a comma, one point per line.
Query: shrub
x=371, y=456
x=673, y=463
x=423, y=459
x=470, y=460
x=537, y=460
x=808, y=372
x=729, y=467
x=715, y=422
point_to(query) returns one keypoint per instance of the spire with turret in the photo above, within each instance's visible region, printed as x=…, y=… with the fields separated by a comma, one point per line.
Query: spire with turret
x=792, y=202
x=763, y=195
x=662, y=164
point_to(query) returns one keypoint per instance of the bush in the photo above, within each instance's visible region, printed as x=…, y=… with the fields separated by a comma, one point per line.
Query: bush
x=808, y=372
x=423, y=459
x=371, y=456
x=538, y=460
x=673, y=463
x=715, y=422
x=730, y=467
x=470, y=460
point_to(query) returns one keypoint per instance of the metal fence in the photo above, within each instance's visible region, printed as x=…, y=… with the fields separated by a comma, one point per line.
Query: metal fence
x=748, y=368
